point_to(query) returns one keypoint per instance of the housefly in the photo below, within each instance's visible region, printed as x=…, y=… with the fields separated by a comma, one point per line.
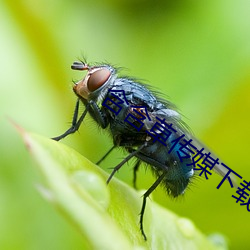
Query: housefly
x=148, y=127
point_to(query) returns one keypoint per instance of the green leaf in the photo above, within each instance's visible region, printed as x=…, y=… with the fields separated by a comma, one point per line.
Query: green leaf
x=107, y=215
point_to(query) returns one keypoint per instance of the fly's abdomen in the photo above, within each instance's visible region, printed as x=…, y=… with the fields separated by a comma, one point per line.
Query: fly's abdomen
x=172, y=160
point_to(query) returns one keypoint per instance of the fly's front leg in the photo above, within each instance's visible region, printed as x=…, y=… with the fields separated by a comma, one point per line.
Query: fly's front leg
x=75, y=123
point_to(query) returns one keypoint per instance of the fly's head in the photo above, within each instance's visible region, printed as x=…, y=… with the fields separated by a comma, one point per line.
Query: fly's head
x=96, y=81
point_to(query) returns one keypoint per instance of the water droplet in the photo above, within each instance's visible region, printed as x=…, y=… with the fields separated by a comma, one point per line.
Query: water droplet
x=186, y=226
x=95, y=186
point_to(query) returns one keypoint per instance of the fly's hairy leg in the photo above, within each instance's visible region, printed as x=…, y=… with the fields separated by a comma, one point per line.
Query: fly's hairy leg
x=125, y=160
x=75, y=123
x=100, y=117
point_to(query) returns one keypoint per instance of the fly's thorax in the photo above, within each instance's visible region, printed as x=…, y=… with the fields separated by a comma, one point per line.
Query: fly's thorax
x=96, y=83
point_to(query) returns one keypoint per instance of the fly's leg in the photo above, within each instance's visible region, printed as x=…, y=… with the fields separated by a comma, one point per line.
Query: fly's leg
x=105, y=155
x=91, y=107
x=75, y=124
x=145, y=196
x=98, y=114
x=124, y=161
x=136, y=167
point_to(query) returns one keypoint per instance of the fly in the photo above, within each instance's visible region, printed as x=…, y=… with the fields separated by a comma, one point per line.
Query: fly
x=148, y=127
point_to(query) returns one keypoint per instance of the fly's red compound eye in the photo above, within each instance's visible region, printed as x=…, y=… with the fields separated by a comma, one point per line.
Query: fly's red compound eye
x=97, y=79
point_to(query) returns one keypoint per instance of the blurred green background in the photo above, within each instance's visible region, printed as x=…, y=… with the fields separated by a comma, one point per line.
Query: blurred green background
x=195, y=52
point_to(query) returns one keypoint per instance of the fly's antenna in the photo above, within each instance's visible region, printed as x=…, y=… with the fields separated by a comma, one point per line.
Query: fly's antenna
x=80, y=66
